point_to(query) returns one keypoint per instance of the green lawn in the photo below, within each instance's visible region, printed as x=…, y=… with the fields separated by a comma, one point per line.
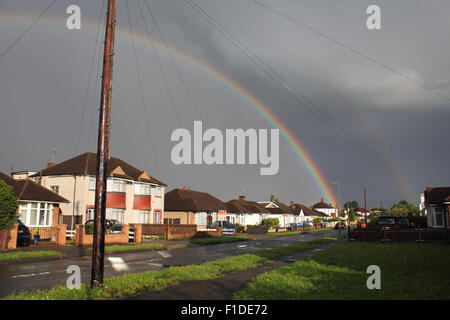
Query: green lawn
x=217, y=240
x=408, y=271
x=124, y=248
x=18, y=255
x=131, y=284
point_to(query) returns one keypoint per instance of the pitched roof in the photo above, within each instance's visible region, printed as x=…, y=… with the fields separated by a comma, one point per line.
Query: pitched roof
x=322, y=205
x=298, y=207
x=280, y=208
x=245, y=206
x=30, y=190
x=86, y=164
x=437, y=195
x=190, y=200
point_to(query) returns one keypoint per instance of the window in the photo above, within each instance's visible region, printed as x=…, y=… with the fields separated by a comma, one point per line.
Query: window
x=141, y=216
x=55, y=189
x=115, y=185
x=142, y=189
x=157, y=217
x=157, y=191
x=36, y=213
x=115, y=214
x=92, y=183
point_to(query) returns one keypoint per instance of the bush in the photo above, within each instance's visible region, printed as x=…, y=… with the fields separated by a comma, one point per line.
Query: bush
x=271, y=223
x=8, y=206
x=240, y=229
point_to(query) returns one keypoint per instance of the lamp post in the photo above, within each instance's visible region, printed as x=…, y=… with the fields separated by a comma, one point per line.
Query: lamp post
x=339, y=196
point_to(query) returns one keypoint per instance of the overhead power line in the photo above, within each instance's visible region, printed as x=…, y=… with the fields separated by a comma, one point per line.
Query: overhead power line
x=356, y=51
x=26, y=30
x=281, y=82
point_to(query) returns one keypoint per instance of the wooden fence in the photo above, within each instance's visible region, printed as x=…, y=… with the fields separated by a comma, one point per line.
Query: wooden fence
x=4, y=239
x=399, y=235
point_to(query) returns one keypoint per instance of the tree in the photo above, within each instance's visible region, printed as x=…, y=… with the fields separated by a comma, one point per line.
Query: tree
x=271, y=223
x=8, y=206
x=273, y=198
x=351, y=205
x=403, y=208
x=351, y=214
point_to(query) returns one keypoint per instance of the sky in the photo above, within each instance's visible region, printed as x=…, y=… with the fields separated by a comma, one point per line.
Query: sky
x=379, y=118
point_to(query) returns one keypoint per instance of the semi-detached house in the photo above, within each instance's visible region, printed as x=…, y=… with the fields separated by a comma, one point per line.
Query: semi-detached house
x=132, y=195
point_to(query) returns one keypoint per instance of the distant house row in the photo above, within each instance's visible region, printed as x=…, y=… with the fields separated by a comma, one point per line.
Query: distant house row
x=64, y=193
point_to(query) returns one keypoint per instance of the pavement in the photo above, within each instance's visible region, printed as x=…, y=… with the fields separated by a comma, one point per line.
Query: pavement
x=46, y=274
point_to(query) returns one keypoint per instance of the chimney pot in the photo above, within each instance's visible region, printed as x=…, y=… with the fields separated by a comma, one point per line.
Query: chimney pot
x=50, y=164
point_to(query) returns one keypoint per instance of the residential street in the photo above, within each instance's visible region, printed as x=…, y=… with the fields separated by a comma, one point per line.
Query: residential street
x=46, y=274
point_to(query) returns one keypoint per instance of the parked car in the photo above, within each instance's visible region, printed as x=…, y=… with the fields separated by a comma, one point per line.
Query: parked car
x=339, y=225
x=361, y=224
x=112, y=226
x=392, y=223
x=309, y=223
x=23, y=235
x=226, y=226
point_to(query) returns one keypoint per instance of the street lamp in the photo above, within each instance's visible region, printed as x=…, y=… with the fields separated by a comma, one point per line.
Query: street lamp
x=339, y=196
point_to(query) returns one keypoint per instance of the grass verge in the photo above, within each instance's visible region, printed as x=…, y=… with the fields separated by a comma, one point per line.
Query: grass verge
x=137, y=247
x=21, y=255
x=408, y=271
x=132, y=284
x=207, y=241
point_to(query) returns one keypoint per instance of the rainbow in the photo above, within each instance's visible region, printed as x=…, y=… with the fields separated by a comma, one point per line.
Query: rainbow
x=301, y=152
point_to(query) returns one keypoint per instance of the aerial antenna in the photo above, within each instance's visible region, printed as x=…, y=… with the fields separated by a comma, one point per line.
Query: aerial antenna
x=53, y=155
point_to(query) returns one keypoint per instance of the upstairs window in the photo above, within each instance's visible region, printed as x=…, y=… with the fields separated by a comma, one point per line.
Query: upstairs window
x=55, y=189
x=157, y=191
x=142, y=189
x=115, y=185
x=92, y=183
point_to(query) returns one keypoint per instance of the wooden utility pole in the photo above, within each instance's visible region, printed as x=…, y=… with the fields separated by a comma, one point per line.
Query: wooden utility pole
x=365, y=204
x=98, y=246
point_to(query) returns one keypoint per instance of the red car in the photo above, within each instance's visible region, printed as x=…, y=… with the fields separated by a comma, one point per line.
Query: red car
x=362, y=224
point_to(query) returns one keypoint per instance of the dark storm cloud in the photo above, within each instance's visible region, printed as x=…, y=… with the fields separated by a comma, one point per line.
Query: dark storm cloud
x=394, y=119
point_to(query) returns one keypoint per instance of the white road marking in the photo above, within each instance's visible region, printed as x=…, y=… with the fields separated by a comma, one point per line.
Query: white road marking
x=242, y=246
x=30, y=275
x=118, y=264
x=164, y=254
x=156, y=264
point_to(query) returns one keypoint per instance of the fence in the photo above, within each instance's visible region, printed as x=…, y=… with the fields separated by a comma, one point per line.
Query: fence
x=399, y=235
x=178, y=231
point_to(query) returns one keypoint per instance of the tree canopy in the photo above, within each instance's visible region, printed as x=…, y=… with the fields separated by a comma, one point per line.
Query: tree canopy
x=403, y=208
x=8, y=206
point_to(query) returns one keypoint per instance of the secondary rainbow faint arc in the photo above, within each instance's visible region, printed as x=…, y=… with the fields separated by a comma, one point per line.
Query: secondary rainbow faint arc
x=295, y=144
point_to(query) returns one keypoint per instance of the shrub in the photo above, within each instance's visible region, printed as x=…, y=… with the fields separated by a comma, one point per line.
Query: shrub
x=271, y=223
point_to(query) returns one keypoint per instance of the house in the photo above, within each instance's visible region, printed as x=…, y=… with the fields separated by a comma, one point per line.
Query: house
x=244, y=212
x=326, y=208
x=303, y=213
x=132, y=195
x=280, y=211
x=38, y=206
x=436, y=204
x=360, y=214
x=184, y=206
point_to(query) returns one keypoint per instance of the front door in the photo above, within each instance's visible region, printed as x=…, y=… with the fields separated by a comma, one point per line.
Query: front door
x=209, y=220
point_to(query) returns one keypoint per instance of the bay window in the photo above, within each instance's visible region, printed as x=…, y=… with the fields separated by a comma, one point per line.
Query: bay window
x=115, y=185
x=36, y=214
x=141, y=216
x=141, y=189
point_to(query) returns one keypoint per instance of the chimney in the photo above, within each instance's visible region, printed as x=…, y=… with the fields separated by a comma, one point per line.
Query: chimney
x=322, y=200
x=291, y=203
x=241, y=197
x=185, y=188
x=50, y=164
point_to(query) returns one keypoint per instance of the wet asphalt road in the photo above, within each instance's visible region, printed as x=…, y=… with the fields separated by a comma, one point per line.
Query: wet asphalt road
x=46, y=274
